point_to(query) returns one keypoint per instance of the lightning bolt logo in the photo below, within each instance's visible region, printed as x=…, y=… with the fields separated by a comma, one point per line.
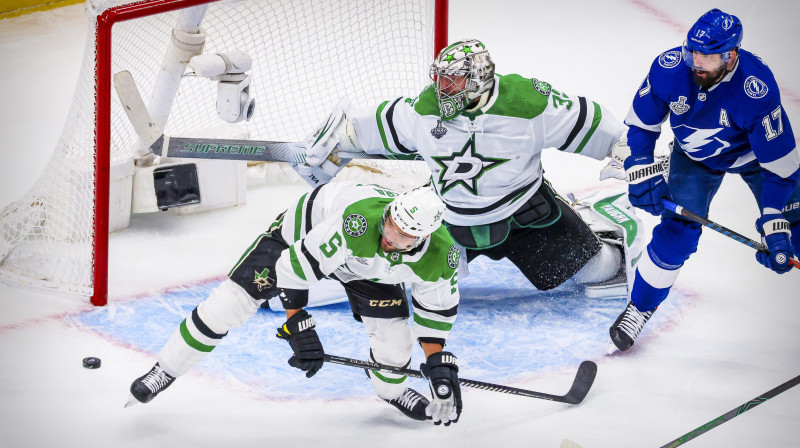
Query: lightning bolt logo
x=700, y=144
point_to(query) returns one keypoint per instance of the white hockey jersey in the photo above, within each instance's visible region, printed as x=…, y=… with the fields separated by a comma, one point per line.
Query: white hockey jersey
x=486, y=163
x=335, y=231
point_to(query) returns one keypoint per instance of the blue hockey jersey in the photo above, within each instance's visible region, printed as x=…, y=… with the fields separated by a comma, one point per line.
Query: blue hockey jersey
x=735, y=123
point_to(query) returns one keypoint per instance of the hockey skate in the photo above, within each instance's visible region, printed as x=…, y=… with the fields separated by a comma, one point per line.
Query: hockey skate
x=411, y=403
x=627, y=327
x=147, y=386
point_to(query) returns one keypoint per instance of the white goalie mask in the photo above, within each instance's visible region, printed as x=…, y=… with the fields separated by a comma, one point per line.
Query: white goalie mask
x=417, y=213
x=461, y=73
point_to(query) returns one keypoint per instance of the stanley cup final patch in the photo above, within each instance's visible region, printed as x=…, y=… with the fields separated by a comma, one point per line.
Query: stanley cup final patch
x=355, y=225
x=679, y=107
x=439, y=131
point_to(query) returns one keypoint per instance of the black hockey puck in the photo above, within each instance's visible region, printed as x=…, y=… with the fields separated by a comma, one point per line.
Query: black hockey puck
x=91, y=363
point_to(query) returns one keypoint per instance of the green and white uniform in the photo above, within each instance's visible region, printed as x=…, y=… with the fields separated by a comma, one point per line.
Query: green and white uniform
x=333, y=232
x=487, y=162
x=486, y=167
x=344, y=243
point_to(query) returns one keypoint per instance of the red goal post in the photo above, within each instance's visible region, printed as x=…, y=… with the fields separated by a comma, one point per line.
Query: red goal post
x=422, y=23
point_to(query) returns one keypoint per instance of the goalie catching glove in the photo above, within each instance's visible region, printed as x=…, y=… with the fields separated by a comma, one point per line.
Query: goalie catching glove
x=441, y=371
x=329, y=148
x=302, y=337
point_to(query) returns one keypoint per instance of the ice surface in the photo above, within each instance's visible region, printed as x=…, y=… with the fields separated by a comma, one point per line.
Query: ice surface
x=728, y=334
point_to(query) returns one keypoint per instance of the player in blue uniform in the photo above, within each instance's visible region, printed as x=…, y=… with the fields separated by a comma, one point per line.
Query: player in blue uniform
x=725, y=110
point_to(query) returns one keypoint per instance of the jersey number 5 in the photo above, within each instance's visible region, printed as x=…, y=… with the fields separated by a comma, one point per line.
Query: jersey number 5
x=776, y=115
x=332, y=245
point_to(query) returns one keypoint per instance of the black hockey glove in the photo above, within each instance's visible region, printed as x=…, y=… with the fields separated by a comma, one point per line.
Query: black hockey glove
x=442, y=373
x=299, y=332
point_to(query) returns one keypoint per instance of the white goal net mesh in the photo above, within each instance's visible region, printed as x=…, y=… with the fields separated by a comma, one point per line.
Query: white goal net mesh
x=306, y=56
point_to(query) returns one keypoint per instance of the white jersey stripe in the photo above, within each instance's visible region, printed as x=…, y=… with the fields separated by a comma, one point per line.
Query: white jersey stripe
x=633, y=120
x=786, y=165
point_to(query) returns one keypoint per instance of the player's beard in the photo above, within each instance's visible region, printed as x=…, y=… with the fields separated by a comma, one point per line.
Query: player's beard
x=709, y=78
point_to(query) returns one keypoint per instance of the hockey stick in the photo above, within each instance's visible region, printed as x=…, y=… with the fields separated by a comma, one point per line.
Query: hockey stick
x=726, y=417
x=671, y=206
x=733, y=413
x=205, y=148
x=580, y=386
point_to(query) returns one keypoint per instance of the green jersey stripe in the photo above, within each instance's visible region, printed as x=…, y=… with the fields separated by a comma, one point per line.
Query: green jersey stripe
x=380, y=125
x=298, y=217
x=579, y=123
x=598, y=116
x=246, y=253
x=296, y=267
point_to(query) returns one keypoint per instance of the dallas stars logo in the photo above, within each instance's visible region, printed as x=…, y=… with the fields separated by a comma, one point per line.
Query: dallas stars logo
x=262, y=279
x=355, y=225
x=453, y=257
x=465, y=168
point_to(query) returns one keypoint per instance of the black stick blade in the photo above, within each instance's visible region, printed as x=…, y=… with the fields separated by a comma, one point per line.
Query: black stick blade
x=587, y=371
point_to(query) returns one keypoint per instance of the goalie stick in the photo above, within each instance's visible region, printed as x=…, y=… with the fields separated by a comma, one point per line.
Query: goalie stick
x=205, y=148
x=580, y=386
x=677, y=209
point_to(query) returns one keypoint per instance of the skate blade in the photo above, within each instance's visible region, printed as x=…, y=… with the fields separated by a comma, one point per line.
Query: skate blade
x=611, y=348
x=131, y=401
x=606, y=292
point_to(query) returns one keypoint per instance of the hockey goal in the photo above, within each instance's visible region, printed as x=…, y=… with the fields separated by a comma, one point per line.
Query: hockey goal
x=306, y=55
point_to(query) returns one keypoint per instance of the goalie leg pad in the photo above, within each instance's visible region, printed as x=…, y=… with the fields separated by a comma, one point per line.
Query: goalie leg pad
x=602, y=266
x=390, y=343
x=614, y=215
